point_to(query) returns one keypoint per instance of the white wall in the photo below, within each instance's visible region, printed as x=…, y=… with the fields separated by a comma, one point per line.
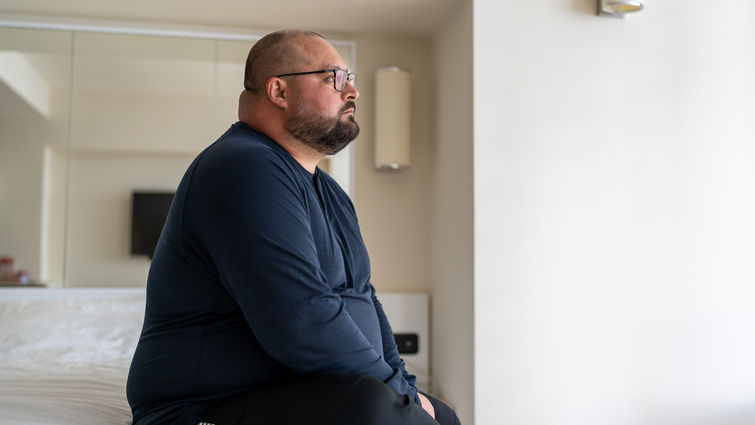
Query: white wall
x=451, y=217
x=614, y=195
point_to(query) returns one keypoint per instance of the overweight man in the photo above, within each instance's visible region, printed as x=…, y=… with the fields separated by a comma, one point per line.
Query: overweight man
x=260, y=309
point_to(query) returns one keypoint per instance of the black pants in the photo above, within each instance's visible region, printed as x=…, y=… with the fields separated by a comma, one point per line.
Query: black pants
x=324, y=400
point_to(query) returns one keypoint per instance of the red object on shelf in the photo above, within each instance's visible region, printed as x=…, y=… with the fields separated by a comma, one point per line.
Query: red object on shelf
x=7, y=272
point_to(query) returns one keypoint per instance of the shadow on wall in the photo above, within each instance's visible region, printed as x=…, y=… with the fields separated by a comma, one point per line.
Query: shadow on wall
x=585, y=6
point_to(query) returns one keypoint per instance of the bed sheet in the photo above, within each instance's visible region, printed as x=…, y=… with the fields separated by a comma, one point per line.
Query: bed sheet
x=65, y=359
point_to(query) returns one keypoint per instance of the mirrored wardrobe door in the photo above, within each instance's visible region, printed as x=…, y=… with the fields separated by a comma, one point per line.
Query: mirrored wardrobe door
x=35, y=77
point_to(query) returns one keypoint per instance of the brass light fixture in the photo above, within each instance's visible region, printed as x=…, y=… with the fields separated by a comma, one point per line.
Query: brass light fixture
x=618, y=8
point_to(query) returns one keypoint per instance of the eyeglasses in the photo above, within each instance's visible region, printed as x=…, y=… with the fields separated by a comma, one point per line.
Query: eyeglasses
x=340, y=77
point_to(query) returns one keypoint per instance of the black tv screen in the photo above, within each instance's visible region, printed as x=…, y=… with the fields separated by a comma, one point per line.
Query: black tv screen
x=148, y=213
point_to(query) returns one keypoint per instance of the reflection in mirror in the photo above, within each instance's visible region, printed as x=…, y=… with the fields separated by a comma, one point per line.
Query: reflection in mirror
x=142, y=109
x=35, y=67
x=89, y=118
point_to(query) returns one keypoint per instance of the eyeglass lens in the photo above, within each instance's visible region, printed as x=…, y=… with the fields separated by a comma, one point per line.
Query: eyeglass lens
x=342, y=77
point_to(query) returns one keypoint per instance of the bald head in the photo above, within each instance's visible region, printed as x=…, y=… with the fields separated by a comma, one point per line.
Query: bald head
x=276, y=53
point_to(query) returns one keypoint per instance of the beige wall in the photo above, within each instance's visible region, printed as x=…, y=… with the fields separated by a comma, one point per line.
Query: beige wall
x=394, y=208
x=451, y=220
x=614, y=238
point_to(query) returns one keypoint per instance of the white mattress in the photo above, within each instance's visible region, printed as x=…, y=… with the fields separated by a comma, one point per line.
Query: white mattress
x=65, y=355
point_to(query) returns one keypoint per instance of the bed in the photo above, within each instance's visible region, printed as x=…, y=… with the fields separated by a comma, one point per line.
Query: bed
x=66, y=352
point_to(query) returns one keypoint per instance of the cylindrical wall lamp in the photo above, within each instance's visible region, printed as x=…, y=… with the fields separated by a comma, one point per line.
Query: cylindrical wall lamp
x=392, y=118
x=618, y=8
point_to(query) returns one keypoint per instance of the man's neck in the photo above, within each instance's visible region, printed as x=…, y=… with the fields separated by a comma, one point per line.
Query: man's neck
x=303, y=154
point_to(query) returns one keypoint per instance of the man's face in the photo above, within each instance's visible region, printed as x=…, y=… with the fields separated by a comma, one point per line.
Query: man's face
x=321, y=117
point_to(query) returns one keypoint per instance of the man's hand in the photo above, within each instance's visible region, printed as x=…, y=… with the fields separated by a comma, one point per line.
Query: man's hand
x=426, y=405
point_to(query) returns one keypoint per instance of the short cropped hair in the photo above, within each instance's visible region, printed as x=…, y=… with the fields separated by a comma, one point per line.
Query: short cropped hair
x=274, y=54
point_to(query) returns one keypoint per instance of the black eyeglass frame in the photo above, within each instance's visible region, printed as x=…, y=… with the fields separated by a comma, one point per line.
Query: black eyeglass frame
x=349, y=77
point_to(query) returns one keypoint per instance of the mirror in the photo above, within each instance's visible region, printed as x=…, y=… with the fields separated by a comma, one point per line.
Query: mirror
x=88, y=118
x=35, y=77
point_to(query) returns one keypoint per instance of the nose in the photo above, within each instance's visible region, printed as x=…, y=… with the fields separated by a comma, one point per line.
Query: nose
x=350, y=92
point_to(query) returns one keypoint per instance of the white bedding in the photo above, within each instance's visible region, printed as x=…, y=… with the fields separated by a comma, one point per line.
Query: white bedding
x=65, y=355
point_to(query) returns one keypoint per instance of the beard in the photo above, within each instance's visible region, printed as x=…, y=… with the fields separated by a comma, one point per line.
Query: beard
x=324, y=134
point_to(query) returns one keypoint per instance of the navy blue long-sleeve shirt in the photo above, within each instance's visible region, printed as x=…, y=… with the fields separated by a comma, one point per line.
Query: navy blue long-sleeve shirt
x=260, y=275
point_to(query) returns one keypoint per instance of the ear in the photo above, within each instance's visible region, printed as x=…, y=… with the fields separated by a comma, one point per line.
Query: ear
x=277, y=92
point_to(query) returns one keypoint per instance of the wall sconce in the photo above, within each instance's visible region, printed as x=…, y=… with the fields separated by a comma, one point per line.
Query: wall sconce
x=618, y=8
x=392, y=118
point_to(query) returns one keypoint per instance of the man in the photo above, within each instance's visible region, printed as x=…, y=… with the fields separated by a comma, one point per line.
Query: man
x=259, y=305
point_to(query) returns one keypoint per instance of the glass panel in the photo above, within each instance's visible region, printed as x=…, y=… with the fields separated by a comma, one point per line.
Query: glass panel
x=34, y=111
x=142, y=108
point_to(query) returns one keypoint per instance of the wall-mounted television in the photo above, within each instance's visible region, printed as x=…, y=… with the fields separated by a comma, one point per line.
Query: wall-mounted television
x=148, y=213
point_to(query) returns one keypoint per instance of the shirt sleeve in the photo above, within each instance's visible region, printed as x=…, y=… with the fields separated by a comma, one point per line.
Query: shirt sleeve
x=249, y=214
x=390, y=350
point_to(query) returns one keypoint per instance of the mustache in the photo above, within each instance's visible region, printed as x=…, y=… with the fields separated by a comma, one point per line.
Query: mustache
x=350, y=104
